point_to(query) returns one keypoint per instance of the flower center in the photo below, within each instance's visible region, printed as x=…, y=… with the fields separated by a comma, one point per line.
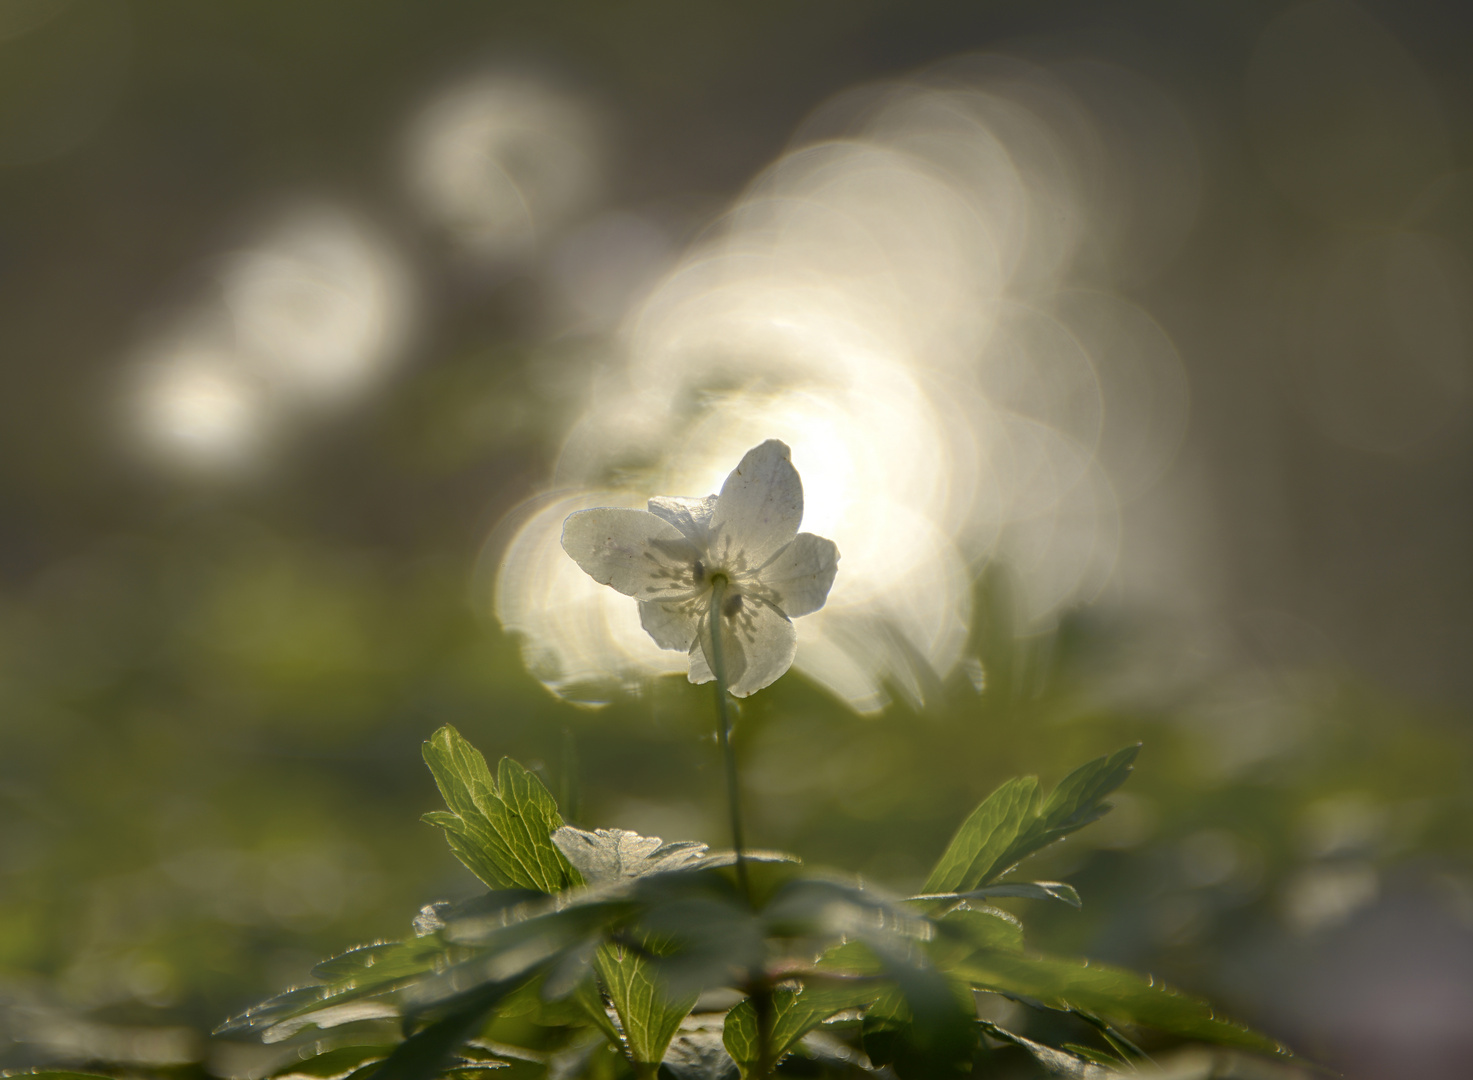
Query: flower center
x=729, y=598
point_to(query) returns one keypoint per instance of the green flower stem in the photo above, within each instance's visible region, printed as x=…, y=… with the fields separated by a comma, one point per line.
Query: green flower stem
x=759, y=987
x=723, y=734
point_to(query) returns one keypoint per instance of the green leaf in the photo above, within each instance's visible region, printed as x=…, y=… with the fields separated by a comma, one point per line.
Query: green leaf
x=359, y=973
x=850, y=958
x=1028, y=890
x=586, y=995
x=980, y=928
x=56, y=1074
x=1110, y=992
x=1031, y=890
x=355, y=961
x=1065, y=1063
x=431, y=1050
x=649, y=1014
x=986, y=837
x=501, y=827
x=377, y=966
x=884, y=1028
x=334, y=1064
x=794, y=1014
x=265, y=1013
x=829, y=908
x=922, y=1026
x=922, y=1023
x=1076, y=802
x=1010, y=824
x=1089, y=1053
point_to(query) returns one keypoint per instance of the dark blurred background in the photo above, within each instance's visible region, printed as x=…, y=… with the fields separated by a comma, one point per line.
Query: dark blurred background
x=307, y=309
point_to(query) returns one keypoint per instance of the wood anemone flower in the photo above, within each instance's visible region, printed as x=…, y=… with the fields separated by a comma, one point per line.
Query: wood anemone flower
x=742, y=546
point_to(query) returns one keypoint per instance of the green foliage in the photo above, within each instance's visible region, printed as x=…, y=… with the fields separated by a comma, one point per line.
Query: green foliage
x=556, y=961
x=431, y=1050
x=1122, y=997
x=1013, y=822
x=648, y=1012
x=793, y=1014
x=340, y=1062
x=499, y=828
x=219, y=830
x=1070, y=1061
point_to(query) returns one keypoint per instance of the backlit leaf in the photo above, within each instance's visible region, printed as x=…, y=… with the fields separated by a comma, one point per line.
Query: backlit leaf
x=1013, y=822
x=1109, y=992
x=500, y=827
x=986, y=837
x=648, y=1013
x=794, y=1014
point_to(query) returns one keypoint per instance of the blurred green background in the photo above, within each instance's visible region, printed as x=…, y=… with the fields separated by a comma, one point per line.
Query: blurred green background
x=215, y=674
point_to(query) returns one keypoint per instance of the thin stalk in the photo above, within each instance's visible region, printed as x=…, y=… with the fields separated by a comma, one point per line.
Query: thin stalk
x=760, y=987
x=723, y=735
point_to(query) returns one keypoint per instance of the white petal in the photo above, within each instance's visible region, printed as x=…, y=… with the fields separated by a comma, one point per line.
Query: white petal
x=758, y=510
x=673, y=626
x=801, y=574
x=700, y=671
x=758, y=643
x=632, y=551
x=691, y=516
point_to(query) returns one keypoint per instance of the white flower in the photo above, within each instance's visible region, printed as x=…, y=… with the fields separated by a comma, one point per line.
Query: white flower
x=671, y=557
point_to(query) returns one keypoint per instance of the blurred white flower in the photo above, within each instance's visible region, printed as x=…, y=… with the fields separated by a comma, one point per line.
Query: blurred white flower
x=672, y=558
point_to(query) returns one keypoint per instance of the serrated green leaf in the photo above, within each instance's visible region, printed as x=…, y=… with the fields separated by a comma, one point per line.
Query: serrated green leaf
x=1012, y=823
x=1113, y=993
x=1076, y=802
x=530, y=819
x=985, y=837
x=501, y=827
x=794, y=1014
x=649, y=1014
